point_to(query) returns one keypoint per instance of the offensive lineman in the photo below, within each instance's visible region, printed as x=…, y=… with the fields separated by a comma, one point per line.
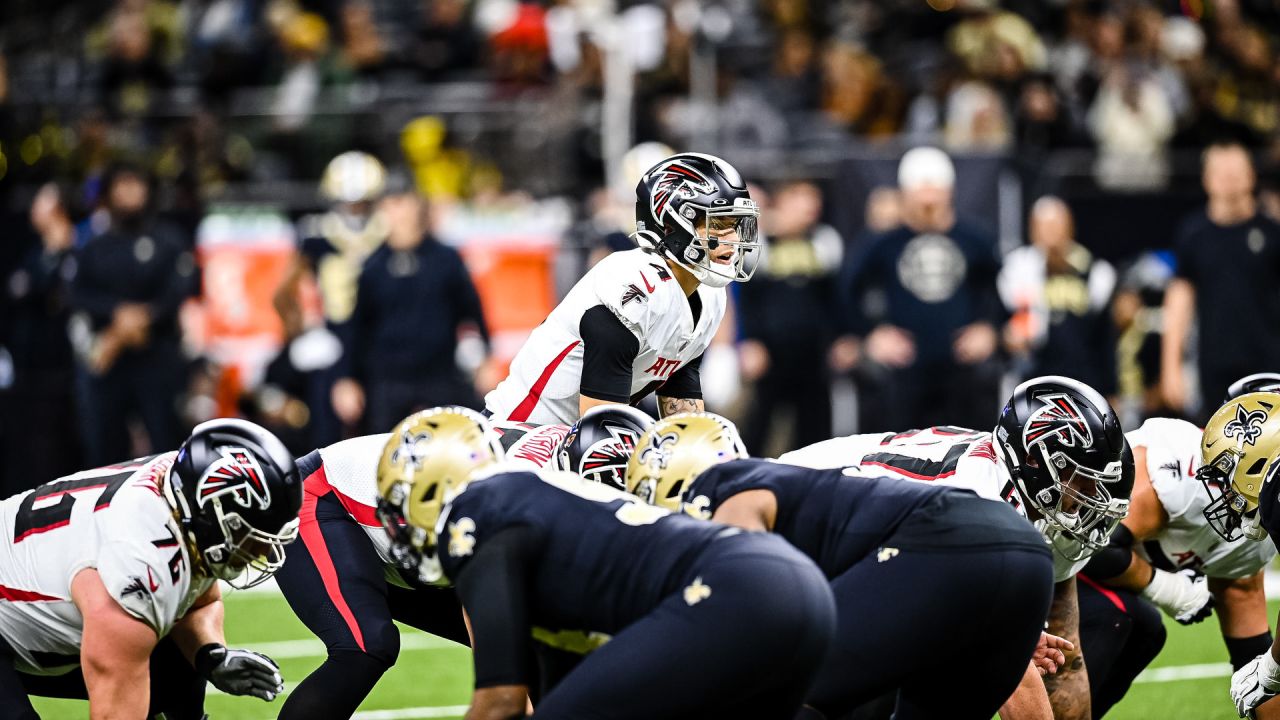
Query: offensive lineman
x=107, y=577
x=891, y=550
x=344, y=581
x=1057, y=455
x=706, y=620
x=640, y=320
x=1167, y=532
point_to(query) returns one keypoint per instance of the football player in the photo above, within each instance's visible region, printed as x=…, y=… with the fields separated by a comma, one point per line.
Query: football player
x=640, y=320
x=343, y=582
x=1167, y=532
x=1057, y=455
x=599, y=445
x=107, y=577
x=741, y=619
x=890, y=550
x=1239, y=464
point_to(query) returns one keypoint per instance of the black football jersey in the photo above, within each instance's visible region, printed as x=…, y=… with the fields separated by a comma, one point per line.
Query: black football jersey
x=602, y=558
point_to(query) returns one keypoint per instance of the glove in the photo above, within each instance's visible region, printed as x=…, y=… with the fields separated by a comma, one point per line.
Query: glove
x=1255, y=683
x=240, y=672
x=1181, y=598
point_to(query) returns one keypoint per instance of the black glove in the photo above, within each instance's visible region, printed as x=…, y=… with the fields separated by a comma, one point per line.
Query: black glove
x=240, y=672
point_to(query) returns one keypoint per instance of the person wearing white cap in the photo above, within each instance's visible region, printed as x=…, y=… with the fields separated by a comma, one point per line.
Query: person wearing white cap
x=922, y=308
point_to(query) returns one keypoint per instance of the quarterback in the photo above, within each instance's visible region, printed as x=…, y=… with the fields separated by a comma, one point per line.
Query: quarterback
x=107, y=577
x=639, y=321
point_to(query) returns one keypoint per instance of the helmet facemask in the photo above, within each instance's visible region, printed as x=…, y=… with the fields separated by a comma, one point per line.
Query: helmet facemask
x=1077, y=510
x=412, y=549
x=247, y=556
x=1230, y=513
x=724, y=244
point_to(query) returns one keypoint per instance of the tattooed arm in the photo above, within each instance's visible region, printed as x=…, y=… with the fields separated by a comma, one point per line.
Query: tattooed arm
x=671, y=406
x=1069, y=687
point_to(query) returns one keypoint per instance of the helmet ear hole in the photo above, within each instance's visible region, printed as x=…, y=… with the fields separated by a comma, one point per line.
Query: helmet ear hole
x=1257, y=467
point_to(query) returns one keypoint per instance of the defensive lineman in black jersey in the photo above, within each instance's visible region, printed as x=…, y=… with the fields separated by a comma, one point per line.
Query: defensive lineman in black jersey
x=908, y=563
x=692, y=619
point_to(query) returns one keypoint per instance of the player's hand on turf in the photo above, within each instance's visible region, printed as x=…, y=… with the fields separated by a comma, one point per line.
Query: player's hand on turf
x=1255, y=683
x=240, y=672
x=1049, y=654
x=1180, y=596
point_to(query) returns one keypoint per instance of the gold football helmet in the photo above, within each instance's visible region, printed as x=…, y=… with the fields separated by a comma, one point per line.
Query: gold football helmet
x=429, y=458
x=1238, y=440
x=675, y=451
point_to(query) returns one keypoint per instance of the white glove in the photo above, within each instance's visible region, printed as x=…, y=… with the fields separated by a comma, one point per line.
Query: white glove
x=1255, y=683
x=1181, y=598
x=240, y=672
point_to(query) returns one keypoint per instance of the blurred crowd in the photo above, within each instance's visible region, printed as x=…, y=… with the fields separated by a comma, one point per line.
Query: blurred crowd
x=125, y=124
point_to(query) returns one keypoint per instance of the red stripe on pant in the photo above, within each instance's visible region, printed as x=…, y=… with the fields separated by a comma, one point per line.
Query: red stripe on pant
x=315, y=487
x=1107, y=593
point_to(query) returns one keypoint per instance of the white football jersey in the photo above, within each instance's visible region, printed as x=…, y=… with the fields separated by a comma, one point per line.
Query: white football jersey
x=350, y=469
x=1173, y=455
x=952, y=456
x=637, y=286
x=114, y=519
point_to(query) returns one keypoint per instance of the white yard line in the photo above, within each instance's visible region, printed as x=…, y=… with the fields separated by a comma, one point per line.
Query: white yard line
x=411, y=713
x=312, y=647
x=1175, y=673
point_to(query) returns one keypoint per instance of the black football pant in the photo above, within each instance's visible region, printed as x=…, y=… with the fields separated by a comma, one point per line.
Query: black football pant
x=335, y=582
x=745, y=648
x=177, y=690
x=147, y=382
x=1120, y=634
x=962, y=573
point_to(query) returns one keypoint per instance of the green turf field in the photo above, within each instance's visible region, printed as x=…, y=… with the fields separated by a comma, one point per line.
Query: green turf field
x=433, y=676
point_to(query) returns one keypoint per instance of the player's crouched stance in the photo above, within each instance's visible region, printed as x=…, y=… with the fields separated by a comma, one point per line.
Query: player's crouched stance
x=909, y=563
x=741, y=619
x=107, y=577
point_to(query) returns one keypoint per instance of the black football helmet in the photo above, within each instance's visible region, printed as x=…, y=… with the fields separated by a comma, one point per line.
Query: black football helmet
x=236, y=491
x=598, y=446
x=1065, y=452
x=1258, y=382
x=691, y=204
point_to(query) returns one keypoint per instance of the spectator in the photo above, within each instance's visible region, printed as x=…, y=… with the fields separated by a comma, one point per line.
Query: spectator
x=787, y=323
x=1060, y=299
x=1132, y=120
x=40, y=442
x=127, y=286
x=414, y=301
x=923, y=310
x=447, y=45
x=133, y=72
x=1228, y=269
x=334, y=247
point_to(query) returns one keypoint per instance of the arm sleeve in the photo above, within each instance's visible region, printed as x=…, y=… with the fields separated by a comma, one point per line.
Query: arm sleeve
x=609, y=351
x=685, y=383
x=1184, y=262
x=987, y=303
x=493, y=590
x=469, y=307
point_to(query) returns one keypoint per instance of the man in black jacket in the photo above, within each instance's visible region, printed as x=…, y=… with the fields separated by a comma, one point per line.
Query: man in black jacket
x=126, y=287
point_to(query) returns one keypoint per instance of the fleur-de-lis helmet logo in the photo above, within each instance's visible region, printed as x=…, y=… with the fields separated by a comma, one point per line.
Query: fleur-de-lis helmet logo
x=658, y=453
x=1247, y=425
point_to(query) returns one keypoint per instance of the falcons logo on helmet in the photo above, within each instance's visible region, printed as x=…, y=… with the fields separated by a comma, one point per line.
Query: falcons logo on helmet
x=608, y=458
x=1058, y=417
x=237, y=474
x=675, y=179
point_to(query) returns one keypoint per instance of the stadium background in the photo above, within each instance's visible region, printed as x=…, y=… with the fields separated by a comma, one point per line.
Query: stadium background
x=515, y=121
